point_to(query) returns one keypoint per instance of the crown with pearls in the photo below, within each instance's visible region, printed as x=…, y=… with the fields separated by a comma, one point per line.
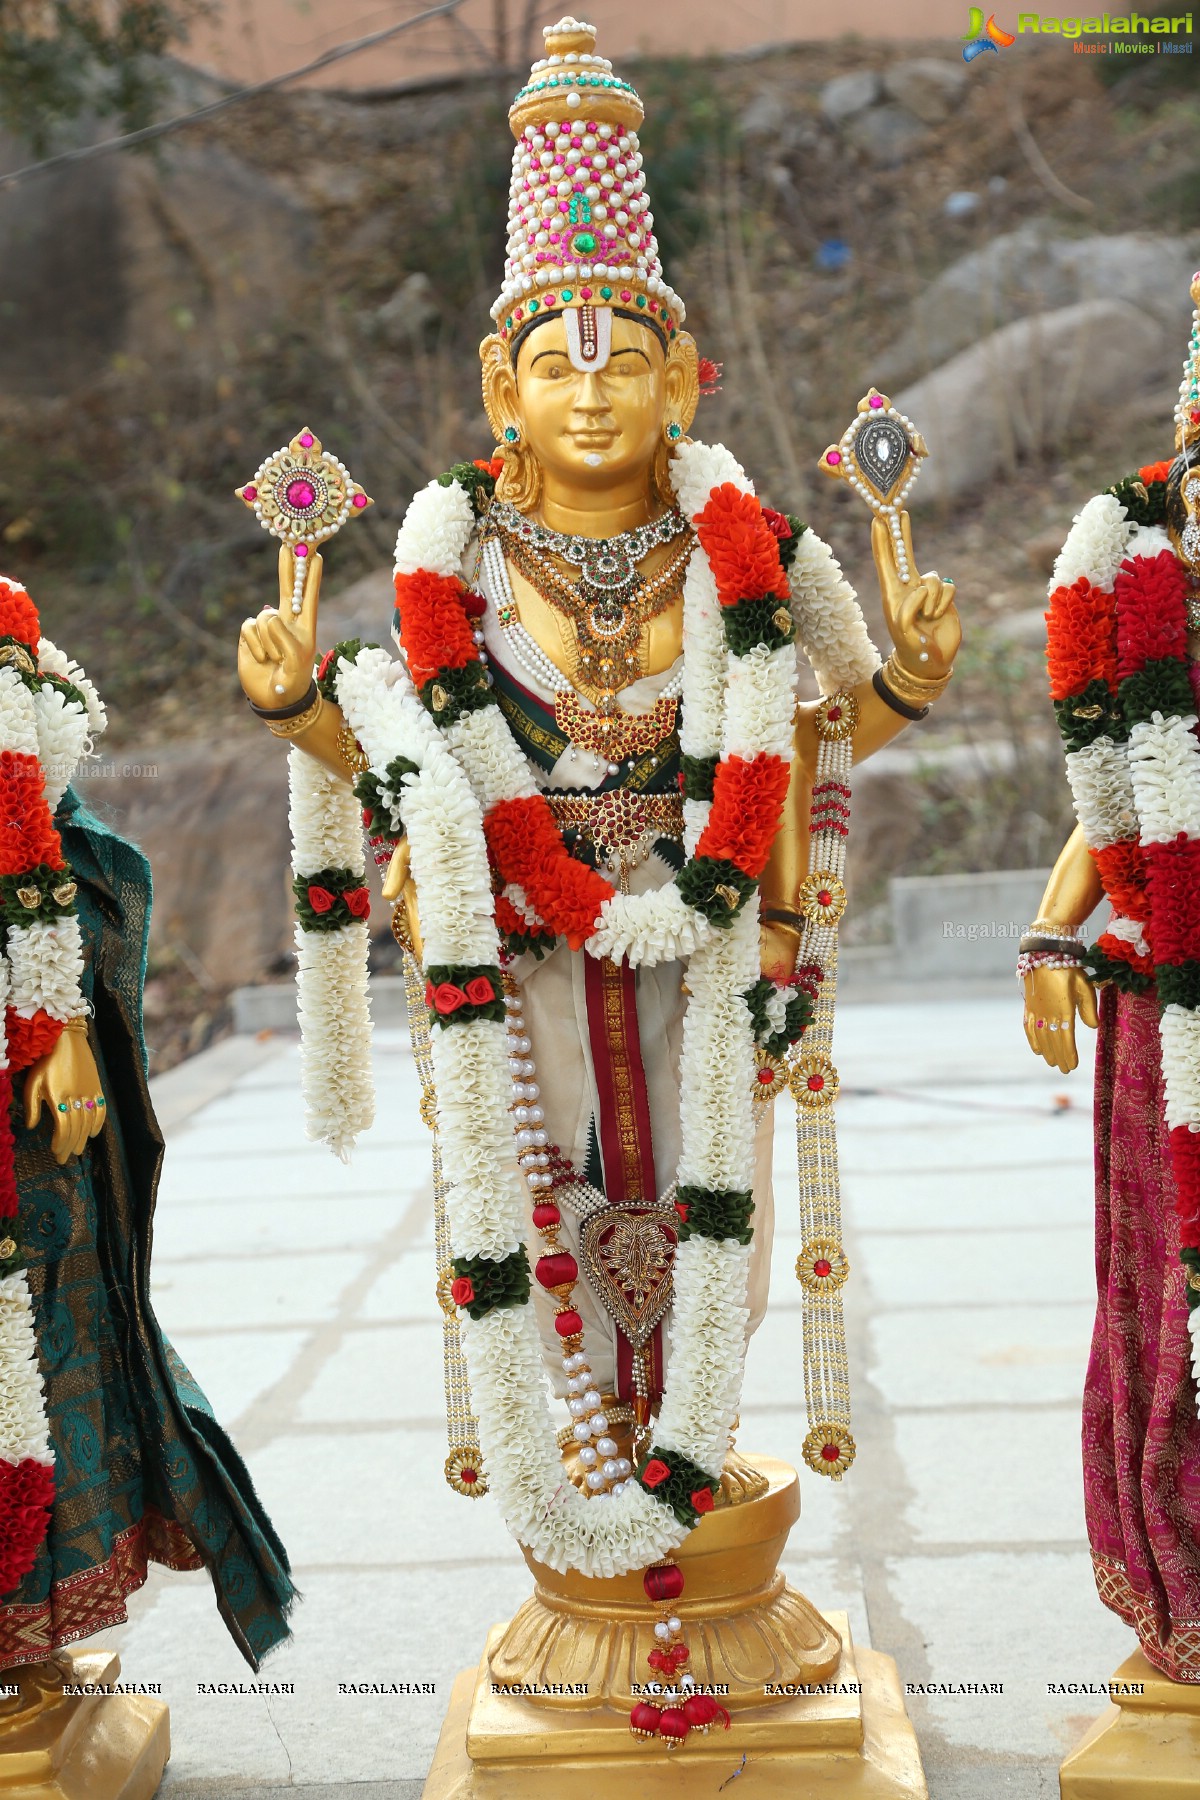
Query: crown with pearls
x=1187, y=410
x=580, y=229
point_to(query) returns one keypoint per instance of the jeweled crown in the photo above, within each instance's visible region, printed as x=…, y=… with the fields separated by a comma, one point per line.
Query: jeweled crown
x=580, y=229
x=1187, y=410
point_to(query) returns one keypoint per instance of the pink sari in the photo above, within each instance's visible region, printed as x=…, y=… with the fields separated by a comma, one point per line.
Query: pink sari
x=1141, y=1433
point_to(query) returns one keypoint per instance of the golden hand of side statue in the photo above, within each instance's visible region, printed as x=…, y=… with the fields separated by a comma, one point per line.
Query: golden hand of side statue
x=67, y=1082
x=1053, y=997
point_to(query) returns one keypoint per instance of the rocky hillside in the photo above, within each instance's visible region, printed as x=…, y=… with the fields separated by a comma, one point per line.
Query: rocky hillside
x=1005, y=247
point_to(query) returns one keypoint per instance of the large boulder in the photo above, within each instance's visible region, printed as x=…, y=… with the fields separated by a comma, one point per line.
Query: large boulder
x=1024, y=387
x=185, y=253
x=846, y=95
x=1032, y=270
x=926, y=87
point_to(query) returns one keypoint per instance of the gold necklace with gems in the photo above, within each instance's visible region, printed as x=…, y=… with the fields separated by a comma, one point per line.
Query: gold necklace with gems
x=611, y=601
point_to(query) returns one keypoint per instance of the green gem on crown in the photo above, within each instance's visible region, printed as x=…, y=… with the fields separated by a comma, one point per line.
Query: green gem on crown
x=584, y=242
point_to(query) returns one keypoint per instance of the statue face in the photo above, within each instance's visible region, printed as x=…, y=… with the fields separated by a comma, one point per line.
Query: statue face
x=588, y=430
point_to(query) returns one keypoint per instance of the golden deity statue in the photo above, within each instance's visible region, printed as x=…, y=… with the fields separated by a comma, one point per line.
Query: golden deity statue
x=615, y=841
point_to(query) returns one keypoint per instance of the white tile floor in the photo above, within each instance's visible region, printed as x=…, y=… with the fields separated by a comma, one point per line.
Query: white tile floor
x=300, y=1293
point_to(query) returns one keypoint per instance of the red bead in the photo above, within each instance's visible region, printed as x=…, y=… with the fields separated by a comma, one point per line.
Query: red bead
x=680, y=1654
x=568, y=1324
x=825, y=897
x=766, y=1076
x=470, y=1476
x=673, y=1725
x=815, y=1083
x=643, y=1720
x=556, y=1270
x=822, y=1268
x=830, y=1452
x=664, y=1582
x=700, y=1711
x=658, y=1659
x=545, y=1214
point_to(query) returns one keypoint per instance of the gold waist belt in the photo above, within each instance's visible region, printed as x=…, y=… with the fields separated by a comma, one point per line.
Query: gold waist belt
x=620, y=825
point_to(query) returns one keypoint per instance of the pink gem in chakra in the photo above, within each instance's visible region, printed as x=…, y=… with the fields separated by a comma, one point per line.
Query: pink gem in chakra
x=301, y=549
x=358, y=502
x=835, y=457
x=306, y=439
x=876, y=400
x=301, y=493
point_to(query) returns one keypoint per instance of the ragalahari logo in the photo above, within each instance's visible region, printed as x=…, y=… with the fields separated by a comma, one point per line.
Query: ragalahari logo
x=980, y=37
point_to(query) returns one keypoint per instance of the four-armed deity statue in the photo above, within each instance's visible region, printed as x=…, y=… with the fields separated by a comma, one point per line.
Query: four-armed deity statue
x=616, y=841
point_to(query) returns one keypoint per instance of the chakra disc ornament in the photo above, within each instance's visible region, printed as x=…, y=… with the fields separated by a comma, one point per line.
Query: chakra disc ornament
x=879, y=454
x=303, y=495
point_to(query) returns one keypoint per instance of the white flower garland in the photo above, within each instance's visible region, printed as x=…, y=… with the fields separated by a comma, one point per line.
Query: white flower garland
x=331, y=966
x=731, y=705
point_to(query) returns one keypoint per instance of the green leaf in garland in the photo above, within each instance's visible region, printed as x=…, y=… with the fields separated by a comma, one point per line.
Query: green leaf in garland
x=788, y=546
x=491, y=1284
x=751, y=623
x=714, y=1213
x=1179, y=984
x=674, y=1480
x=327, y=669
x=1100, y=967
x=451, y=693
x=1160, y=685
x=331, y=899
x=1088, y=715
x=699, y=776
x=381, y=817
x=43, y=892
x=715, y=887
x=1144, y=502
x=478, y=484
x=462, y=995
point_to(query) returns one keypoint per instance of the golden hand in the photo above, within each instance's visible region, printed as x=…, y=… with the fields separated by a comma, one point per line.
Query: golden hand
x=777, y=947
x=67, y=1078
x=919, y=609
x=399, y=888
x=1052, y=999
x=277, y=650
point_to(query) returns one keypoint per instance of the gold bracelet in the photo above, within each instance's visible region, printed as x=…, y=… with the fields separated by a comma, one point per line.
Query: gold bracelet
x=916, y=690
x=77, y=1024
x=351, y=751
x=289, y=728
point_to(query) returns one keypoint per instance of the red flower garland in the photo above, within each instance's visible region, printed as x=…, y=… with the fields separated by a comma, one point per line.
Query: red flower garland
x=744, y=557
x=748, y=797
x=435, y=632
x=1173, y=889
x=26, y=1496
x=527, y=849
x=1080, y=638
x=1151, y=619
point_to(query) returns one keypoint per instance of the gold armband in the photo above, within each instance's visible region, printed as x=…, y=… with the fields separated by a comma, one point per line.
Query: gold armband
x=914, y=690
x=290, y=728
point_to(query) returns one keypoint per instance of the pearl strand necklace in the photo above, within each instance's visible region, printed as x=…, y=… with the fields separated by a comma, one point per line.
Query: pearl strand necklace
x=606, y=1471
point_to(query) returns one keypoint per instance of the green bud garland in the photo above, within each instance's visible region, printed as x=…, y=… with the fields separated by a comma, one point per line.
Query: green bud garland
x=754, y=623
x=683, y=1479
x=502, y=1283
x=714, y=1213
x=451, y=693
x=42, y=881
x=699, y=880
x=699, y=776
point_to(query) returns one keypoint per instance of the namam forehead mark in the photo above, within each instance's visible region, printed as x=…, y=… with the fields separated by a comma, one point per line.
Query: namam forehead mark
x=629, y=338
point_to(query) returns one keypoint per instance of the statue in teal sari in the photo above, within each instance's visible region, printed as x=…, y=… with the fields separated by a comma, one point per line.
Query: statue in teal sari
x=142, y=1470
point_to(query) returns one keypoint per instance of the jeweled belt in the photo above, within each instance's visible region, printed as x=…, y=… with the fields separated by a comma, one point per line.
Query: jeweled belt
x=622, y=824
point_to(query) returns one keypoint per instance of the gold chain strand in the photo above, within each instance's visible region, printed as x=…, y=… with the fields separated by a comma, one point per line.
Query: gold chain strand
x=464, y=1465
x=822, y=1266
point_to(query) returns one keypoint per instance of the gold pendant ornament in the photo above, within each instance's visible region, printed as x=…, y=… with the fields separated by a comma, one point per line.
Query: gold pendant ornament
x=878, y=454
x=302, y=494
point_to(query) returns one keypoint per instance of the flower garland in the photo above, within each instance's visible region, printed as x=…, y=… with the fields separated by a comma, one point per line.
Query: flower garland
x=49, y=713
x=1143, y=800
x=461, y=784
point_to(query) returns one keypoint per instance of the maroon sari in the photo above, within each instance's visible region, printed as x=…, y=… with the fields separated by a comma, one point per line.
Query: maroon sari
x=1141, y=1433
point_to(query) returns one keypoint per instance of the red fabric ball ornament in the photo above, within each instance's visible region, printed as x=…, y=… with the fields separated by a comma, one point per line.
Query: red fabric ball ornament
x=701, y=1711
x=545, y=1214
x=673, y=1727
x=658, y=1659
x=663, y=1582
x=558, y=1270
x=568, y=1324
x=643, y=1720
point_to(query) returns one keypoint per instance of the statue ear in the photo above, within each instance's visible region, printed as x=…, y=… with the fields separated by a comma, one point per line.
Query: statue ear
x=499, y=387
x=683, y=380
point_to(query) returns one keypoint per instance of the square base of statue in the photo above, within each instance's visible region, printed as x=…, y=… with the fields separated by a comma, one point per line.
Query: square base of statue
x=93, y=1746
x=855, y=1743
x=1145, y=1747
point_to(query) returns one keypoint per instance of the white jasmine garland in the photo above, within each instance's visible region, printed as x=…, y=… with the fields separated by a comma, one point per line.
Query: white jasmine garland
x=18, y=723
x=53, y=661
x=332, y=1004
x=24, y=1430
x=63, y=740
x=1097, y=544
x=1103, y=792
x=829, y=622
x=46, y=963
x=462, y=774
x=1164, y=766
